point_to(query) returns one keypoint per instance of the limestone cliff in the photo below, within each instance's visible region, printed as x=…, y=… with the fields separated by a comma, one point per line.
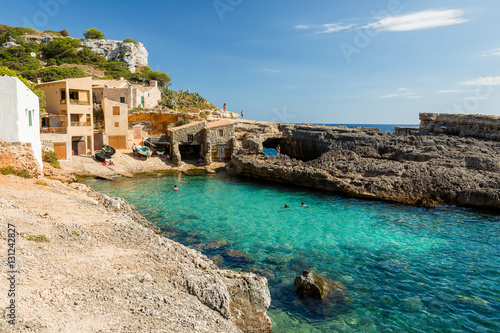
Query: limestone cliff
x=134, y=55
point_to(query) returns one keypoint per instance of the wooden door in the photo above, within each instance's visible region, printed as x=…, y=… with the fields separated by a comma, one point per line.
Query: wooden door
x=60, y=150
x=118, y=141
x=98, y=141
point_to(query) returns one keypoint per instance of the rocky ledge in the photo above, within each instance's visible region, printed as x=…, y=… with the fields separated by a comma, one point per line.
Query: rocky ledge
x=90, y=263
x=424, y=169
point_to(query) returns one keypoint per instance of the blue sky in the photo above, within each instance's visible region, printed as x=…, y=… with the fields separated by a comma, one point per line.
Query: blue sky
x=316, y=61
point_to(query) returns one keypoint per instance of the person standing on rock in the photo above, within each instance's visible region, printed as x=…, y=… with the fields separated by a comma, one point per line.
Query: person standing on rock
x=278, y=150
x=224, y=106
x=241, y=114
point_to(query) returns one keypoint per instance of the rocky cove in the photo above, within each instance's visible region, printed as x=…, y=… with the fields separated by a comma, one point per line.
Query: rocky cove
x=450, y=159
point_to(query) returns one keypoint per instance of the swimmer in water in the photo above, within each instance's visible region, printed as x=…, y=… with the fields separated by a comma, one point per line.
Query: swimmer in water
x=304, y=206
x=286, y=206
x=176, y=188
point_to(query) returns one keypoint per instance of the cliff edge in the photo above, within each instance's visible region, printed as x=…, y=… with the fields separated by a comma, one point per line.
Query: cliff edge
x=87, y=263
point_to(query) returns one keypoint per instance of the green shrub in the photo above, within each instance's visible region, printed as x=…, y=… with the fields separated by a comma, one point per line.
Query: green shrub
x=14, y=32
x=51, y=158
x=53, y=33
x=76, y=233
x=39, y=182
x=182, y=122
x=54, y=74
x=35, y=238
x=64, y=33
x=8, y=170
x=93, y=33
x=128, y=40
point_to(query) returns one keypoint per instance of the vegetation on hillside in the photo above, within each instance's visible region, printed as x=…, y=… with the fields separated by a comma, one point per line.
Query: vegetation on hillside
x=34, y=61
x=93, y=33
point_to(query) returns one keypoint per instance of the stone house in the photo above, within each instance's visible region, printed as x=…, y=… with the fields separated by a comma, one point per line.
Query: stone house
x=115, y=124
x=69, y=120
x=186, y=141
x=213, y=141
x=135, y=96
x=20, y=115
x=219, y=140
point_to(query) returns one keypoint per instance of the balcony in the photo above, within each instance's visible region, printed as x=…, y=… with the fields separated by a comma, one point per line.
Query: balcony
x=80, y=123
x=75, y=102
x=54, y=130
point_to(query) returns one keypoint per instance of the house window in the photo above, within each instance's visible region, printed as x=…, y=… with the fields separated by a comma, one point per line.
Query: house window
x=88, y=120
x=30, y=118
x=116, y=110
x=117, y=124
x=142, y=100
x=221, y=132
x=122, y=99
x=148, y=94
x=190, y=137
x=73, y=95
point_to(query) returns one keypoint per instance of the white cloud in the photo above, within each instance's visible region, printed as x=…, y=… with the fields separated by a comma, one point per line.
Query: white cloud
x=404, y=93
x=484, y=81
x=456, y=91
x=334, y=27
x=427, y=19
x=421, y=20
x=495, y=52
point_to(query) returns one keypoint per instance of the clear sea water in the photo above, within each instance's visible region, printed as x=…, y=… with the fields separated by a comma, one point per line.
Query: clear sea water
x=384, y=127
x=406, y=269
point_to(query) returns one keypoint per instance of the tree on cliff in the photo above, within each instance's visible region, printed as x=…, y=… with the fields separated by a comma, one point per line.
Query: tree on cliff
x=93, y=34
x=149, y=74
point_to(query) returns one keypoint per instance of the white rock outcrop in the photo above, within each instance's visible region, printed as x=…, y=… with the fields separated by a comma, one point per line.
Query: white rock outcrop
x=134, y=55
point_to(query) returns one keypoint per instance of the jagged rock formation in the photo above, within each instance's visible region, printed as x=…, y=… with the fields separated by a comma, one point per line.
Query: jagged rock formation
x=134, y=55
x=479, y=126
x=313, y=285
x=368, y=163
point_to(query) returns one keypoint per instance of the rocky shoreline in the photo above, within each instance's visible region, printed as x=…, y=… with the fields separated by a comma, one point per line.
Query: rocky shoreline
x=100, y=266
x=422, y=168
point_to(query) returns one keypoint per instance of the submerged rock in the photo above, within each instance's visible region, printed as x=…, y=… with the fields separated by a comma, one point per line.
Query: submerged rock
x=315, y=286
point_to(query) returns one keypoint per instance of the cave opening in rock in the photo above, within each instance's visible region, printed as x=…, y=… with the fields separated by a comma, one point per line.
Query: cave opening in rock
x=300, y=150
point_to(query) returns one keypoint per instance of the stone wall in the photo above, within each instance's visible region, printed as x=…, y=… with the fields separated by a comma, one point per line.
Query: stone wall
x=180, y=134
x=47, y=146
x=212, y=135
x=479, y=126
x=18, y=155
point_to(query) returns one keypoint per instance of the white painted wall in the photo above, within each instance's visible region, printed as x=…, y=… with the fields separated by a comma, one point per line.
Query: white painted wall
x=16, y=102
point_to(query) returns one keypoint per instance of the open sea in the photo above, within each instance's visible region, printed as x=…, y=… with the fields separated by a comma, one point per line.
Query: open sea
x=406, y=269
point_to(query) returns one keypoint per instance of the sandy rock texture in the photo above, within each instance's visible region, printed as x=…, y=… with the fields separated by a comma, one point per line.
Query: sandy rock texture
x=424, y=169
x=134, y=55
x=101, y=267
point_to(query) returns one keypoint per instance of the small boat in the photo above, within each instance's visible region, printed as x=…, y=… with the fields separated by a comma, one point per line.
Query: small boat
x=144, y=151
x=108, y=150
x=102, y=157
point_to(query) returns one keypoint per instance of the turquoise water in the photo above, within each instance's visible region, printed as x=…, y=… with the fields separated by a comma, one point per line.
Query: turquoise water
x=406, y=269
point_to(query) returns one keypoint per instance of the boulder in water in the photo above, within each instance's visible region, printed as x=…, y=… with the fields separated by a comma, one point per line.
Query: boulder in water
x=312, y=285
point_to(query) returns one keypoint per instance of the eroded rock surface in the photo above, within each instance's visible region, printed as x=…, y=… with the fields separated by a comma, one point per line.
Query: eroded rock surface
x=424, y=169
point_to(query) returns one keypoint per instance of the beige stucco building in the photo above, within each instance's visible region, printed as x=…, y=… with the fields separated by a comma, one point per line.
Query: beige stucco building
x=69, y=120
x=115, y=123
x=135, y=96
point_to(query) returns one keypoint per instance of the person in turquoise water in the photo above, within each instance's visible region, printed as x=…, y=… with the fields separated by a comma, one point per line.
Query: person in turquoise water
x=286, y=206
x=176, y=188
x=304, y=206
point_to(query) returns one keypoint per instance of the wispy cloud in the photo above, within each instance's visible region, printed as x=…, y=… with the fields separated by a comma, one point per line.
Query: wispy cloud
x=334, y=27
x=415, y=21
x=495, y=52
x=403, y=93
x=420, y=20
x=484, y=81
x=455, y=91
